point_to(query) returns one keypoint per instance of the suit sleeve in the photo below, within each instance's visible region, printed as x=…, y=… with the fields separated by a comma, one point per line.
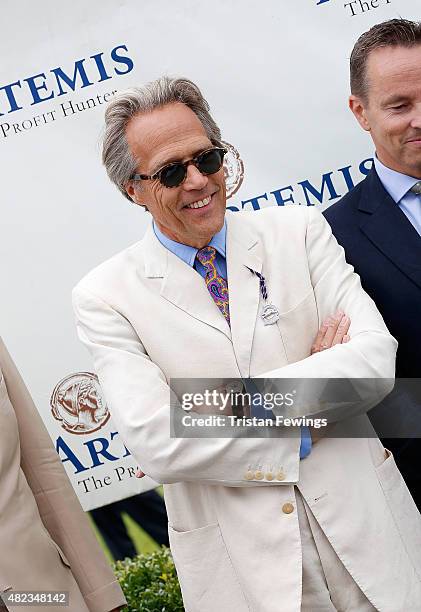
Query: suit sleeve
x=57, y=503
x=138, y=396
x=371, y=352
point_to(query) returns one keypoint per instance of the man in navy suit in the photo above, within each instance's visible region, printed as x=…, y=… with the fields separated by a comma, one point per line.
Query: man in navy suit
x=379, y=222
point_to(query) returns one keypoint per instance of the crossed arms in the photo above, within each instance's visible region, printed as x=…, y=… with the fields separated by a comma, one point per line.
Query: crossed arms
x=137, y=392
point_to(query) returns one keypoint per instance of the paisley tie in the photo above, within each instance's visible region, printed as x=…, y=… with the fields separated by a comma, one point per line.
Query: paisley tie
x=216, y=284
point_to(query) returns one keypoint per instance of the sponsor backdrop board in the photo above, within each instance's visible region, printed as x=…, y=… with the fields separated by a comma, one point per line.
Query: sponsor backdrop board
x=276, y=76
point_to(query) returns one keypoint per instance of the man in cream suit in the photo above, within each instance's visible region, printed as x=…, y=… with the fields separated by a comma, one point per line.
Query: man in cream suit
x=46, y=541
x=256, y=524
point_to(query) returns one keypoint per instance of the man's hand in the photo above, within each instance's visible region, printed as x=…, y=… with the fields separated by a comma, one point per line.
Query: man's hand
x=227, y=388
x=333, y=331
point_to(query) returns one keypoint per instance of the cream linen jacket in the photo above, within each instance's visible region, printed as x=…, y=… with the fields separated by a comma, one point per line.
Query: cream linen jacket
x=147, y=317
x=46, y=542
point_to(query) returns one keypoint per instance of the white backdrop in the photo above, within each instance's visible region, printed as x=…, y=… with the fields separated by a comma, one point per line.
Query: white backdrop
x=276, y=76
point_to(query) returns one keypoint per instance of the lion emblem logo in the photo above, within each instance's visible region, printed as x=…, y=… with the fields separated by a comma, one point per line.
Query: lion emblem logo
x=78, y=404
x=233, y=169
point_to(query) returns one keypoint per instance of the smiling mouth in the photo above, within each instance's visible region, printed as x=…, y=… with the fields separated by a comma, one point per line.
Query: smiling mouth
x=199, y=203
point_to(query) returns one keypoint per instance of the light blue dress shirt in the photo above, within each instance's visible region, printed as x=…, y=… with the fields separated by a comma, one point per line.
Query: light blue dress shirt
x=398, y=187
x=188, y=255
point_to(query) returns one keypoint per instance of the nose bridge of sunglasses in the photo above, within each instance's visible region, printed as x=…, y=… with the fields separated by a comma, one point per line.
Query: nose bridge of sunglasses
x=194, y=171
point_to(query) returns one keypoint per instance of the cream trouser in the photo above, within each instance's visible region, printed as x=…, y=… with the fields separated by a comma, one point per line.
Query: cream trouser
x=327, y=585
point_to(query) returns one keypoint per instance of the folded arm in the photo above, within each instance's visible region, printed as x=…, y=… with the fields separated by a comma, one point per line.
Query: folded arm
x=138, y=396
x=370, y=350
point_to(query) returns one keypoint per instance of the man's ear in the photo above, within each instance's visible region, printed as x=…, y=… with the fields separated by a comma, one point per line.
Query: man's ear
x=358, y=107
x=135, y=193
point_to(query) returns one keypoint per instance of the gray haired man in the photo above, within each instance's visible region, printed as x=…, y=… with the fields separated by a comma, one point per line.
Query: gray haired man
x=259, y=524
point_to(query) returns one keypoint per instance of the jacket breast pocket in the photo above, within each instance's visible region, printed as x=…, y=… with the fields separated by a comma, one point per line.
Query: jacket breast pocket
x=207, y=577
x=298, y=328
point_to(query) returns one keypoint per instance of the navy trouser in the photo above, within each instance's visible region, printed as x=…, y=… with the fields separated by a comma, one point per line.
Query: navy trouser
x=147, y=509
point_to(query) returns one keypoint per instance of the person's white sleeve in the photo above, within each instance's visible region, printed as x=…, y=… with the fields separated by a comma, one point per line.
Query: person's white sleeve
x=138, y=396
x=370, y=354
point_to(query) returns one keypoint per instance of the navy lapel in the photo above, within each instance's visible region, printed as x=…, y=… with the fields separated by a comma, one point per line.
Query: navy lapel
x=387, y=227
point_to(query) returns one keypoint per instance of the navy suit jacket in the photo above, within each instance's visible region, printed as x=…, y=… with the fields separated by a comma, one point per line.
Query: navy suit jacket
x=385, y=250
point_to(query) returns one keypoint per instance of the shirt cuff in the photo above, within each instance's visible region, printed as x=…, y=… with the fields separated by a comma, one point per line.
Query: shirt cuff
x=305, y=447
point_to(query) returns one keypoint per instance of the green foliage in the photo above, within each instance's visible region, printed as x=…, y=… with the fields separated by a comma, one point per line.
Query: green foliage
x=149, y=582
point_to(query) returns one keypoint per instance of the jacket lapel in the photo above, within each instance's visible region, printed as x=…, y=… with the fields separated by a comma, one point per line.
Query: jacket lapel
x=387, y=227
x=243, y=256
x=181, y=285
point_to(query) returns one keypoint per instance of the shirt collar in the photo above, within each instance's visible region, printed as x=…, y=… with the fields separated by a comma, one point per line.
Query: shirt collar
x=188, y=253
x=395, y=183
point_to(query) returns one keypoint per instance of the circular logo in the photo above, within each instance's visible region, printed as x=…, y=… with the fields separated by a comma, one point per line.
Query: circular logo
x=78, y=404
x=233, y=169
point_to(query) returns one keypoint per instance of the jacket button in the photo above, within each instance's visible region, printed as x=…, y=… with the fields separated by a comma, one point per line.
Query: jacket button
x=249, y=475
x=280, y=475
x=269, y=476
x=258, y=475
x=287, y=508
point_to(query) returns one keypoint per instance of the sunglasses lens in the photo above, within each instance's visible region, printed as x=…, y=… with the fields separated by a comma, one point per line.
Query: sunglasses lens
x=210, y=161
x=173, y=175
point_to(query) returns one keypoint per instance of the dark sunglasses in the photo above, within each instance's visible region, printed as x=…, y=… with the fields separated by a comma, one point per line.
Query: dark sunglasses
x=172, y=175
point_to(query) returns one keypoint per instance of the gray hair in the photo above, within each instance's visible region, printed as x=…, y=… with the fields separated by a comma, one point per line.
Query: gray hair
x=116, y=155
x=391, y=33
